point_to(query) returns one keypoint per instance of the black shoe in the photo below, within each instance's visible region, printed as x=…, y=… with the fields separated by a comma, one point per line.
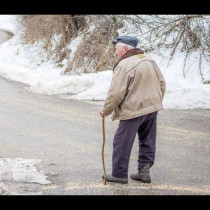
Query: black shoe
x=110, y=178
x=143, y=175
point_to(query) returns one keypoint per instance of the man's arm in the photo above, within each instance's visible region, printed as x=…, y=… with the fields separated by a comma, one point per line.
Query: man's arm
x=117, y=91
x=162, y=85
x=162, y=80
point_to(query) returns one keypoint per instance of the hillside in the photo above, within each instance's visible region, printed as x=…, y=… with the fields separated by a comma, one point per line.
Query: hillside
x=31, y=64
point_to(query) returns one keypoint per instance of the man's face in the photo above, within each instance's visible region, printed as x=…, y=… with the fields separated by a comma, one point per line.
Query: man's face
x=119, y=50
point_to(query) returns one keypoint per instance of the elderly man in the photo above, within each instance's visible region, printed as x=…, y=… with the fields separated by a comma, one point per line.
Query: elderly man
x=134, y=97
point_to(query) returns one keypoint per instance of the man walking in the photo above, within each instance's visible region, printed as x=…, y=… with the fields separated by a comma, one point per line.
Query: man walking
x=134, y=97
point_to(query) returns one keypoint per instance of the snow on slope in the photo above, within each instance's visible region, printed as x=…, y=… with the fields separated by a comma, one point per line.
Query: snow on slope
x=28, y=64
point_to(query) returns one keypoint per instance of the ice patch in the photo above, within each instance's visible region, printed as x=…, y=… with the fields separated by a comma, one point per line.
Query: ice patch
x=21, y=170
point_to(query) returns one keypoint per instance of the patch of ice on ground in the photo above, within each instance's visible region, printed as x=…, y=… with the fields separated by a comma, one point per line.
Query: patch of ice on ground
x=21, y=170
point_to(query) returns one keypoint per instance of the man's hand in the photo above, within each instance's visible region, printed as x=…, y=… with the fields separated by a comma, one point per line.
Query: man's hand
x=101, y=113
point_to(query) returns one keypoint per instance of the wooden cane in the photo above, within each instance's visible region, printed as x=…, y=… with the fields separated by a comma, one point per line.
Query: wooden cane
x=103, y=126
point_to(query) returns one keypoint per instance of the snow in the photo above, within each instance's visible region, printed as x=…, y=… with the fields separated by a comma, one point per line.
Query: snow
x=21, y=170
x=8, y=22
x=29, y=64
x=183, y=93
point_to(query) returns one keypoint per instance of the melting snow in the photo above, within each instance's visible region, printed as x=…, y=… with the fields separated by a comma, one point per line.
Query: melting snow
x=21, y=170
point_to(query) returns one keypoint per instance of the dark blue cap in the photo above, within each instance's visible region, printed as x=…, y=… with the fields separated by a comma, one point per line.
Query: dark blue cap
x=130, y=40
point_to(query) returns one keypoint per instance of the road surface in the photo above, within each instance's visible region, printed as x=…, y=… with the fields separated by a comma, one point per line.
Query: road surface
x=67, y=136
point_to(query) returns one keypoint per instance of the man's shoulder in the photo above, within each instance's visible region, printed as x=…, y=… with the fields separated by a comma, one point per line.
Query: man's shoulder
x=133, y=61
x=129, y=62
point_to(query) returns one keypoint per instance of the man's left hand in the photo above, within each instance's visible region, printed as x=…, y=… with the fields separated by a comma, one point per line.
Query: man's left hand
x=101, y=113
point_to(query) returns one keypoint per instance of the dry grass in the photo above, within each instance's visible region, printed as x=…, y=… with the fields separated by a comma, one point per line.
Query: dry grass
x=95, y=53
x=39, y=27
x=96, y=47
x=186, y=33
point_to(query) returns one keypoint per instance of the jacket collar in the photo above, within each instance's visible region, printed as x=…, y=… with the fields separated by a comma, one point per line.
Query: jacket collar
x=128, y=54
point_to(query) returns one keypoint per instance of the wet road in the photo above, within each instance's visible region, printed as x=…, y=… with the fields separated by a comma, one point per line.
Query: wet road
x=67, y=136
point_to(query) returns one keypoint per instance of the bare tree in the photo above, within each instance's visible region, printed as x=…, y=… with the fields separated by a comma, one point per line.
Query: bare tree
x=185, y=33
x=96, y=46
x=178, y=33
x=37, y=27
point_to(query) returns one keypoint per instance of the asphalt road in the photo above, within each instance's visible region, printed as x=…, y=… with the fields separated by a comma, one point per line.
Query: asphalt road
x=67, y=136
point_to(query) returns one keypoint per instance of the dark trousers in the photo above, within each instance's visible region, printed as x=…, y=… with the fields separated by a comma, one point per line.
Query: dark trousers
x=145, y=126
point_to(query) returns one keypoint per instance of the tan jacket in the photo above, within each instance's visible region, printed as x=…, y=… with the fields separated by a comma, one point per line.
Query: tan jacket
x=137, y=88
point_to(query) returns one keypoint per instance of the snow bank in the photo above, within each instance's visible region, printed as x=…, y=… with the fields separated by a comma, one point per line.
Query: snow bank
x=9, y=23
